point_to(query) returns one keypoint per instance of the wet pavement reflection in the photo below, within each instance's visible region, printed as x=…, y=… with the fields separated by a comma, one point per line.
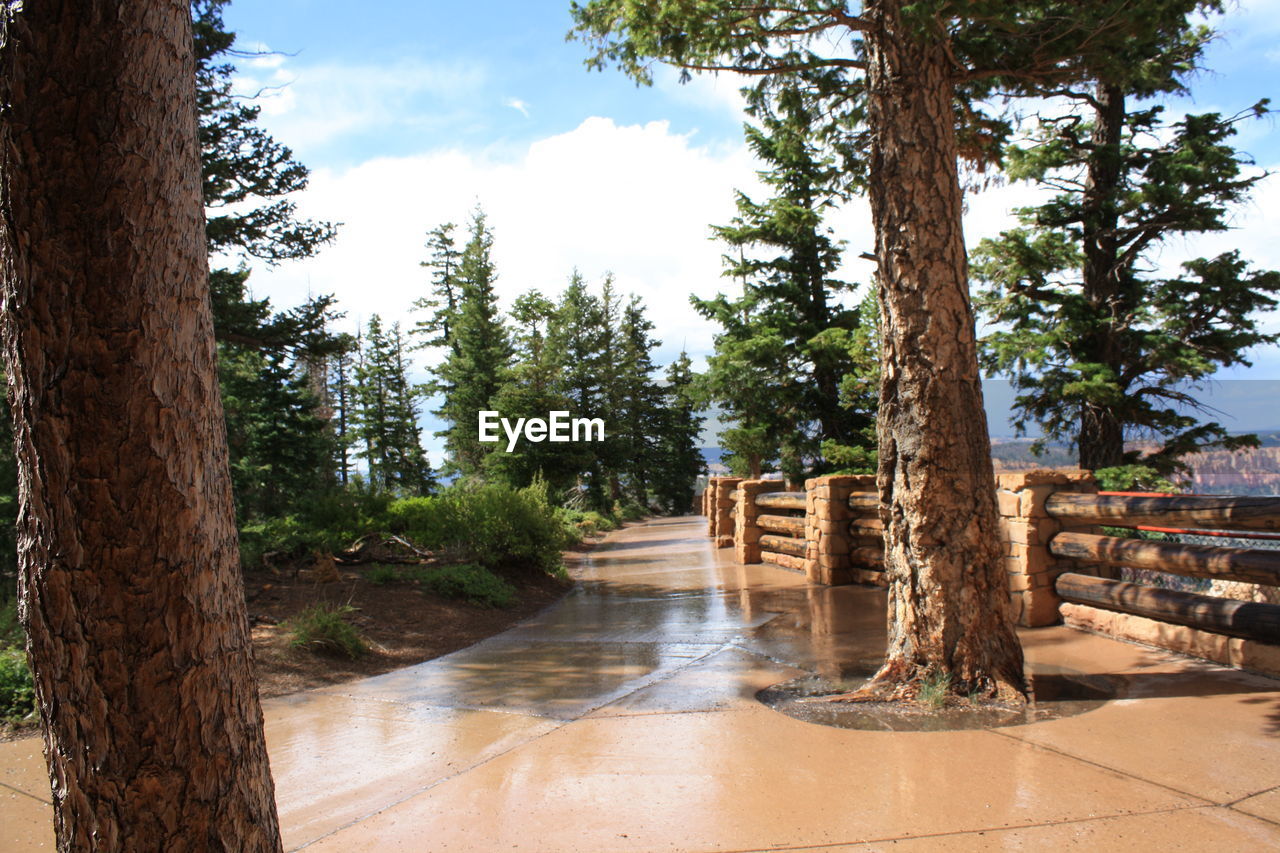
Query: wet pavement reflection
x=628, y=717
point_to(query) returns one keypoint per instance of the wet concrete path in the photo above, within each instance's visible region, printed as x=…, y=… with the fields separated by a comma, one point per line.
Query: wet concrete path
x=624, y=718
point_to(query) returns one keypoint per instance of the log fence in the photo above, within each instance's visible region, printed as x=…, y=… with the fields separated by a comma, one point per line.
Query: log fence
x=1061, y=564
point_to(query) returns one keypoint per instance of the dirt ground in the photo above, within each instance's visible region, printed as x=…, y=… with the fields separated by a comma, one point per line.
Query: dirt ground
x=399, y=622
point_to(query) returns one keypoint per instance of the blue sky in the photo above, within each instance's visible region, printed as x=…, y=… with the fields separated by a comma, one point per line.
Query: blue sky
x=411, y=113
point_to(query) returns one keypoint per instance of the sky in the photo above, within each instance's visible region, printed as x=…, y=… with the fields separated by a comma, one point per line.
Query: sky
x=410, y=114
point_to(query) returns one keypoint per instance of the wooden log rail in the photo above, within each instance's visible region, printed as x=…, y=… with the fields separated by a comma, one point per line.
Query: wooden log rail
x=783, y=545
x=1222, y=513
x=785, y=524
x=1198, y=561
x=865, y=502
x=1245, y=619
x=782, y=500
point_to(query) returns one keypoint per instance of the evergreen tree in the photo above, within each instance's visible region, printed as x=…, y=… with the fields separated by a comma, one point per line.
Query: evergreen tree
x=905, y=86
x=442, y=302
x=342, y=402
x=533, y=387
x=784, y=349
x=248, y=175
x=279, y=448
x=637, y=422
x=387, y=419
x=1100, y=349
x=478, y=357
x=859, y=390
x=248, y=178
x=581, y=335
x=678, y=461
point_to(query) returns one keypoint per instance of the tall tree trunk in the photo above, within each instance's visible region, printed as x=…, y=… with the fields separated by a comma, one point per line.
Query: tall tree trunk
x=1101, y=441
x=129, y=578
x=949, y=610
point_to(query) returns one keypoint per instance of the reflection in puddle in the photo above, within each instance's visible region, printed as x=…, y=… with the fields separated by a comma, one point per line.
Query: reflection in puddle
x=1058, y=693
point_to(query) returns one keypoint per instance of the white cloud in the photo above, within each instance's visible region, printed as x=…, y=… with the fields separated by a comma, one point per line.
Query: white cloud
x=634, y=200
x=312, y=104
x=518, y=105
x=714, y=92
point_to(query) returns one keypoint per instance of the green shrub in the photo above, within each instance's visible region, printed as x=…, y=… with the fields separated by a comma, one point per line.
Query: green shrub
x=585, y=523
x=492, y=525
x=17, y=690
x=381, y=574
x=632, y=512
x=470, y=582
x=324, y=523
x=324, y=628
x=10, y=630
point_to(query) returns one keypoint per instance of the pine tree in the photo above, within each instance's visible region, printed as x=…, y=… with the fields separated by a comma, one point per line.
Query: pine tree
x=248, y=178
x=131, y=596
x=533, y=387
x=387, y=414
x=581, y=335
x=784, y=348
x=678, y=461
x=478, y=357
x=279, y=449
x=904, y=87
x=1100, y=349
x=637, y=422
x=442, y=302
x=342, y=400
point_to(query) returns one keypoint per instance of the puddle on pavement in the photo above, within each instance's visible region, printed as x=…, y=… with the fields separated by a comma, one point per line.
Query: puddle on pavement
x=1060, y=693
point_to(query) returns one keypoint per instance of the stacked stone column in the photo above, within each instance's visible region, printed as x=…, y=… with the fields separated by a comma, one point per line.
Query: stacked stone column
x=1025, y=531
x=827, y=517
x=746, y=534
x=722, y=511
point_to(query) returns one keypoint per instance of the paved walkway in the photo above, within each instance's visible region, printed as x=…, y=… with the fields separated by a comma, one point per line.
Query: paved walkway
x=624, y=719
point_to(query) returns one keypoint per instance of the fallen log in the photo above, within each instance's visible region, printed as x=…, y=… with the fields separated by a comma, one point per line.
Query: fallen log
x=1246, y=619
x=1225, y=512
x=784, y=545
x=1199, y=561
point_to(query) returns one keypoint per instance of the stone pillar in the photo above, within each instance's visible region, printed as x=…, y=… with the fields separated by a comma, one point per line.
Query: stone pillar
x=1025, y=531
x=746, y=535
x=827, y=518
x=709, y=507
x=722, y=511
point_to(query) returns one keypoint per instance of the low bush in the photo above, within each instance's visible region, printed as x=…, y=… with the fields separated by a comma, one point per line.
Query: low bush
x=469, y=582
x=632, y=512
x=585, y=523
x=494, y=526
x=17, y=690
x=324, y=523
x=324, y=628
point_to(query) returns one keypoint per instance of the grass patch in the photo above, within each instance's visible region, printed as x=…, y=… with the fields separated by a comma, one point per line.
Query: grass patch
x=934, y=689
x=382, y=574
x=17, y=690
x=324, y=628
x=470, y=582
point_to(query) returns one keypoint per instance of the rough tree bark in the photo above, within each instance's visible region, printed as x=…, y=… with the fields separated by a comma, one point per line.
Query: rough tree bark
x=129, y=582
x=949, y=611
